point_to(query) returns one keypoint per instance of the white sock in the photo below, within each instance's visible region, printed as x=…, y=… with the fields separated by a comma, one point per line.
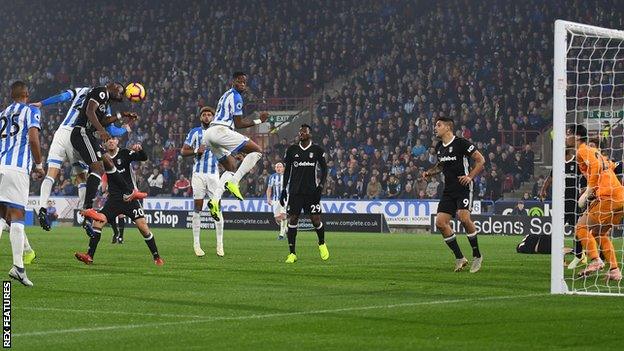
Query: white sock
x=225, y=177
x=248, y=163
x=82, y=192
x=17, y=236
x=3, y=226
x=46, y=189
x=27, y=247
x=283, y=227
x=196, y=227
x=219, y=230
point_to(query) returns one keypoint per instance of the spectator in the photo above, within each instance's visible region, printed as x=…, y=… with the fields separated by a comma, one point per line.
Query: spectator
x=182, y=187
x=393, y=188
x=156, y=182
x=52, y=215
x=519, y=209
x=373, y=189
x=432, y=188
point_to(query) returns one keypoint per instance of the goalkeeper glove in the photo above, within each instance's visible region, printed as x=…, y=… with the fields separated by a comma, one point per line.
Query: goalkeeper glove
x=283, y=197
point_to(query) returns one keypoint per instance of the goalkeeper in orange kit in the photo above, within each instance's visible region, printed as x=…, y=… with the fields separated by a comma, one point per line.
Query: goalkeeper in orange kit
x=605, y=195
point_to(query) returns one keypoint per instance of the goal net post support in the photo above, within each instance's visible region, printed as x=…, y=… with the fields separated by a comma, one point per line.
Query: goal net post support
x=588, y=77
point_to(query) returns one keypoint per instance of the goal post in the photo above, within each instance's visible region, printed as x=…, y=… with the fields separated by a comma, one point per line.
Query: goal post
x=588, y=81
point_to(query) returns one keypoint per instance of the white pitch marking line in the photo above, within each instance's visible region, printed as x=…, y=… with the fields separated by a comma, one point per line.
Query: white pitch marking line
x=110, y=312
x=272, y=315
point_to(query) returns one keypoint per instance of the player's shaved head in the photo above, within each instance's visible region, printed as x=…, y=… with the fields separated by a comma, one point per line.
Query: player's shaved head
x=238, y=74
x=19, y=90
x=448, y=121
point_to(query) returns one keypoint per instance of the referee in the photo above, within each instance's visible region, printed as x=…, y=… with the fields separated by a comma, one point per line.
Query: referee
x=302, y=188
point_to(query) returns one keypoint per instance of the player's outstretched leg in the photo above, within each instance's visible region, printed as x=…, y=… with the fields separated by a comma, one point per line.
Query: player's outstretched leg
x=292, y=238
x=94, y=240
x=443, y=225
x=150, y=241
x=320, y=233
x=219, y=236
x=46, y=189
x=29, y=253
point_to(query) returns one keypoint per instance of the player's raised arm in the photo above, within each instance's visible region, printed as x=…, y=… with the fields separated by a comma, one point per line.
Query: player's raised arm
x=137, y=153
x=65, y=96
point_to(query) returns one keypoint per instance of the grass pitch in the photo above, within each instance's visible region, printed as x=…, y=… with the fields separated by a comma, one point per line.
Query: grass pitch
x=377, y=292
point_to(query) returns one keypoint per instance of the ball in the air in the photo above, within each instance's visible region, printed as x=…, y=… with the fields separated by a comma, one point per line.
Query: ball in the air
x=135, y=92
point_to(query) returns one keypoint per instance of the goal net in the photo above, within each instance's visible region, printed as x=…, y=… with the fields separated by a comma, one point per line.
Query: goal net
x=588, y=91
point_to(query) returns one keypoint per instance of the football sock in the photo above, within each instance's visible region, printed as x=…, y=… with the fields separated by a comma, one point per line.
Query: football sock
x=27, y=247
x=587, y=240
x=121, y=225
x=46, y=189
x=283, y=227
x=578, y=249
x=16, y=236
x=196, y=227
x=225, y=177
x=292, y=237
x=151, y=244
x=219, y=230
x=116, y=178
x=474, y=243
x=82, y=191
x=606, y=246
x=248, y=163
x=93, y=242
x=451, y=241
x=93, y=182
x=3, y=226
x=115, y=229
x=320, y=232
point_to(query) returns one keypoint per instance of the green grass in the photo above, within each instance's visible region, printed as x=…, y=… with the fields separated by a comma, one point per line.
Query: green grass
x=377, y=292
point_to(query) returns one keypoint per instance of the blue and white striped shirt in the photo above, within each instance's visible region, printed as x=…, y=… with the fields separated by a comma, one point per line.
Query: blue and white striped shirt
x=77, y=96
x=206, y=163
x=15, y=121
x=276, y=182
x=230, y=105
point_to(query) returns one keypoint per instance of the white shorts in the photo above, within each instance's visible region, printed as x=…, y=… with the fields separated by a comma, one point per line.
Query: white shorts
x=278, y=209
x=223, y=141
x=14, y=188
x=62, y=149
x=204, y=185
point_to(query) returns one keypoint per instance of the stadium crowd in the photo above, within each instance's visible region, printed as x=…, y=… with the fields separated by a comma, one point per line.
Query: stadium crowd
x=485, y=64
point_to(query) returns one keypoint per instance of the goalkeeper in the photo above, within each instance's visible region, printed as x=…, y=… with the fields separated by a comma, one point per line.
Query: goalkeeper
x=605, y=194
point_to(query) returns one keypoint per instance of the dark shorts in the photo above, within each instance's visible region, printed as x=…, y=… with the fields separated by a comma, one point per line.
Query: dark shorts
x=114, y=207
x=87, y=146
x=571, y=212
x=310, y=204
x=451, y=202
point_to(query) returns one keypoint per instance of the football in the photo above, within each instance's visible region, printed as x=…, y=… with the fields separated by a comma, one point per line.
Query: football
x=135, y=92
